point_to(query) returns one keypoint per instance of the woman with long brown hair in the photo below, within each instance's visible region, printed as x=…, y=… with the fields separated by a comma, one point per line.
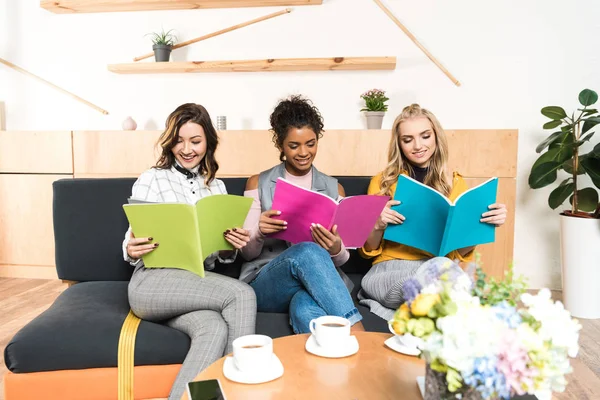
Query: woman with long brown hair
x=418, y=148
x=214, y=310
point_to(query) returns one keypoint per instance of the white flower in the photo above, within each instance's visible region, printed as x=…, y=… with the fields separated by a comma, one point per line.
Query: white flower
x=463, y=299
x=432, y=288
x=463, y=283
x=529, y=338
x=556, y=322
x=474, y=331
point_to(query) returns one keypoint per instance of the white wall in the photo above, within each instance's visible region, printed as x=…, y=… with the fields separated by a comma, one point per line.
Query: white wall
x=512, y=57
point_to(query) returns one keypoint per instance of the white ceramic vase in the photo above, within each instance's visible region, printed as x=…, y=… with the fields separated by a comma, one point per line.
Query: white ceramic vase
x=580, y=260
x=129, y=124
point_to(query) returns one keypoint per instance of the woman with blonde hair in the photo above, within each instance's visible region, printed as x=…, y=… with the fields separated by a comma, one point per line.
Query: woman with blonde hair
x=214, y=310
x=418, y=148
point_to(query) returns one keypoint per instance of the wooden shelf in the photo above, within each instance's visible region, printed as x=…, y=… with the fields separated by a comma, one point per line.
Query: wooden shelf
x=270, y=65
x=90, y=6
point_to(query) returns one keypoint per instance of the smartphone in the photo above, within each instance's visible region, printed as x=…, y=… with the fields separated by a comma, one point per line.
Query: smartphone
x=209, y=389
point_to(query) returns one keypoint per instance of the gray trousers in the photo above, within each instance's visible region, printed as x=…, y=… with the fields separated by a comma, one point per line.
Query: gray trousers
x=212, y=311
x=382, y=287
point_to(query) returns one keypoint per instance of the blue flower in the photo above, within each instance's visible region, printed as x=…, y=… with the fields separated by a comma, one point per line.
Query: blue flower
x=411, y=289
x=508, y=314
x=486, y=378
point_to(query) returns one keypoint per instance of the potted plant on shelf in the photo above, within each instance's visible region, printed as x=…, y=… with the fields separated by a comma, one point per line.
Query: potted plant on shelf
x=163, y=44
x=375, y=107
x=580, y=225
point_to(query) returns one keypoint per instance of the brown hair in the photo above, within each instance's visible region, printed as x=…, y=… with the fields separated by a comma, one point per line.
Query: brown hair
x=436, y=174
x=185, y=113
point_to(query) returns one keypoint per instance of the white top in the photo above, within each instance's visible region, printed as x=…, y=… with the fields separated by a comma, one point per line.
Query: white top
x=171, y=186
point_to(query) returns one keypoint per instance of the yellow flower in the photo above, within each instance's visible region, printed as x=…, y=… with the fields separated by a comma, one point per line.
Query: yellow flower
x=423, y=303
x=403, y=313
x=399, y=326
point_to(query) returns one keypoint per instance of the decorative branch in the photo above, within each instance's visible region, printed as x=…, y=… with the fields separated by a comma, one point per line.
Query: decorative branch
x=415, y=41
x=16, y=67
x=222, y=31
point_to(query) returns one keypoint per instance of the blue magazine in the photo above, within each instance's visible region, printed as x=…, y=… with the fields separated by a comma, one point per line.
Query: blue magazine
x=436, y=225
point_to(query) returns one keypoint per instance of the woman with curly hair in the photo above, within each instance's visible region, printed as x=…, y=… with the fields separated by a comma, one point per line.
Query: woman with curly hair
x=418, y=148
x=303, y=279
x=216, y=309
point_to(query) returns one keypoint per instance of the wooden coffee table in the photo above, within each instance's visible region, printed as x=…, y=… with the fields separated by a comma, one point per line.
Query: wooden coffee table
x=375, y=372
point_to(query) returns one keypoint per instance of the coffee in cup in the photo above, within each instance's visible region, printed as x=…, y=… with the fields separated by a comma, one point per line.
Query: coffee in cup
x=330, y=331
x=252, y=352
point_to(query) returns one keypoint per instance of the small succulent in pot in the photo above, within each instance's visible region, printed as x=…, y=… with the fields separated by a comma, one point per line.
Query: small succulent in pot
x=163, y=44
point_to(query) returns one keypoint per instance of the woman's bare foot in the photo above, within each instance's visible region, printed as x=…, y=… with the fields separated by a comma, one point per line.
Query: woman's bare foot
x=357, y=327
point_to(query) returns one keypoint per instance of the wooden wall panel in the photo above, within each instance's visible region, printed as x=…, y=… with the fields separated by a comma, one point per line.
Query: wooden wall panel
x=496, y=257
x=113, y=153
x=36, y=152
x=474, y=153
x=26, y=199
x=26, y=219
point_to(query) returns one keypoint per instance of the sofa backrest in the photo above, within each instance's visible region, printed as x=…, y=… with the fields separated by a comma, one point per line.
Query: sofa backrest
x=89, y=224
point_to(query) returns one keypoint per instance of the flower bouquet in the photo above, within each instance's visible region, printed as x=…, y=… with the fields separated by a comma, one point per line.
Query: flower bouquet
x=486, y=339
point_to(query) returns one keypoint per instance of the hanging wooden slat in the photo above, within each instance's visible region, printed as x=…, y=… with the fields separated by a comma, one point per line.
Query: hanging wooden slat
x=91, y=6
x=280, y=64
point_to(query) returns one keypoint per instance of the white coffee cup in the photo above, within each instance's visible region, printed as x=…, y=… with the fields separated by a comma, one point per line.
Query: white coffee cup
x=252, y=352
x=330, y=331
x=408, y=340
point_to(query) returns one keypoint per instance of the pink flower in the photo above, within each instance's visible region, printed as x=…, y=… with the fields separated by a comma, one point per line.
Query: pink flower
x=513, y=363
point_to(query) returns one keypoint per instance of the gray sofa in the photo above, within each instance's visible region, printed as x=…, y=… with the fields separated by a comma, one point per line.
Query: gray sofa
x=81, y=329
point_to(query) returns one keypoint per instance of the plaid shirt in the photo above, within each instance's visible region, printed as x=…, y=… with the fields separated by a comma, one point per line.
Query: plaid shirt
x=171, y=186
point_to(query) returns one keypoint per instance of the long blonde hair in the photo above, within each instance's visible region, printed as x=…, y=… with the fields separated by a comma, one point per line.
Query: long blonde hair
x=397, y=163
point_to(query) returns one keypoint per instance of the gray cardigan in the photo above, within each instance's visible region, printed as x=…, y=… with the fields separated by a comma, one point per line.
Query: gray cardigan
x=273, y=247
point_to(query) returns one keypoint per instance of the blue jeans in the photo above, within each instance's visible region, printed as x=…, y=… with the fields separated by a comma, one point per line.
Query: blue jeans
x=304, y=282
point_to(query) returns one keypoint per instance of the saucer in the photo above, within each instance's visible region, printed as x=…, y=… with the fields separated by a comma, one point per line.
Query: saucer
x=347, y=349
x=421, y=385
x=272, y=372
x=395, y=345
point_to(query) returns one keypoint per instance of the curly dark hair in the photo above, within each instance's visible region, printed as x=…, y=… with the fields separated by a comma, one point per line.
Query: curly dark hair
x=294, y=112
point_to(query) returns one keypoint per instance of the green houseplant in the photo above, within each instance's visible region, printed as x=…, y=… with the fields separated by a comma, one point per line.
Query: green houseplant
x=580, y=225
x=562, y=154
x=162, y=44
x=375, y=107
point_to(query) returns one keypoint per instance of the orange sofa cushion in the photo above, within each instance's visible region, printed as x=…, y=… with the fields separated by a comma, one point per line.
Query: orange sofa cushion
x=150, y=382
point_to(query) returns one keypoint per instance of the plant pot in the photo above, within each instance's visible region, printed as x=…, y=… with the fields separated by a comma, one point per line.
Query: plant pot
x=436, y=388
x=162, y=52
x=580, y=261
x=374, y=119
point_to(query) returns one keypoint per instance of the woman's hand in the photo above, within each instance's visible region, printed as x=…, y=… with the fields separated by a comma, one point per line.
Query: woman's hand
x=330, y=241
x=389, y=216
x=238, y=237
x=267, y=225
x=137, y=247
x=496, y=215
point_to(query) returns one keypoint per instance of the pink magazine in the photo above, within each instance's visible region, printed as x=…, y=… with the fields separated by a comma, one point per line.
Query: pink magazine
x=355, y=216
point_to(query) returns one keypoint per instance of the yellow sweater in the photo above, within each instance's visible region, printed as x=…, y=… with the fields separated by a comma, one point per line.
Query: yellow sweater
x=388, y=250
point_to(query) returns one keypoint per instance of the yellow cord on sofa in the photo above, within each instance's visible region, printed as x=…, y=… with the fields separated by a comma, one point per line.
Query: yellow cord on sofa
x=125, y=362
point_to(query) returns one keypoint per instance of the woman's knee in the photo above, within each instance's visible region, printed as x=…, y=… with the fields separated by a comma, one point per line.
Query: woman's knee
x=310, y=255
x=242, y=292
